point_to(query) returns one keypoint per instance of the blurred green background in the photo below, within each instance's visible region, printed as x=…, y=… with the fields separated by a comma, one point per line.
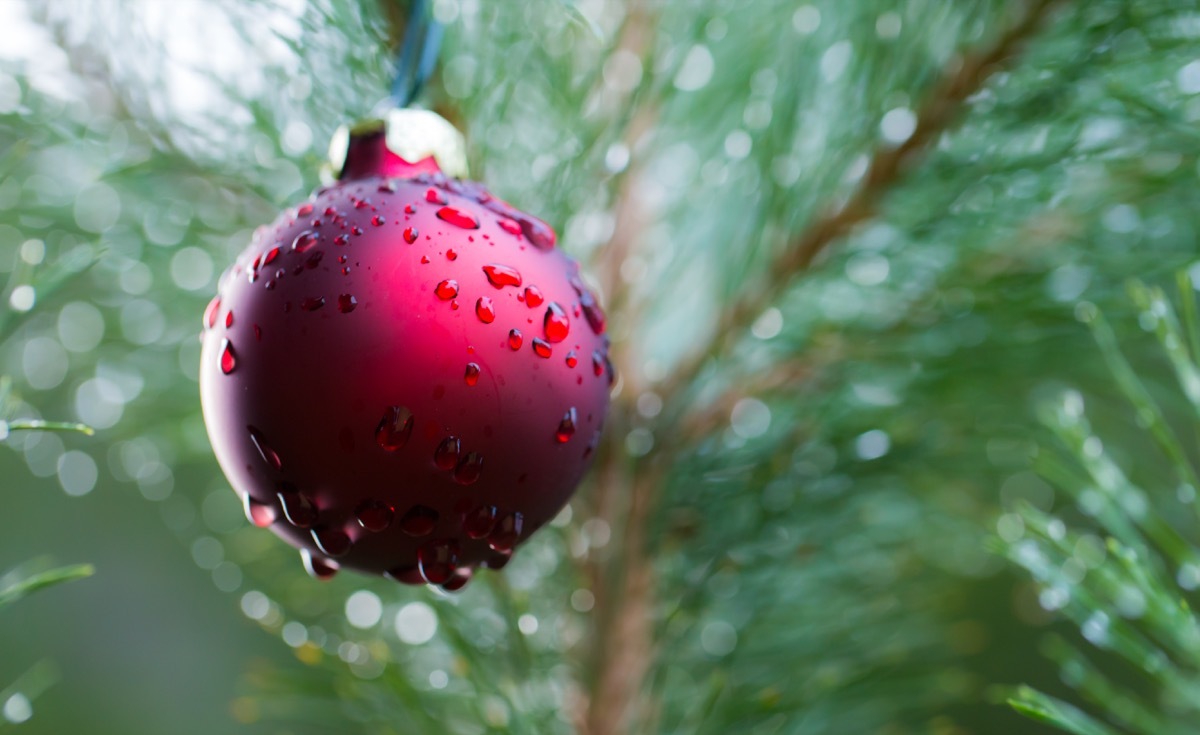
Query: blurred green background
x=827, y=475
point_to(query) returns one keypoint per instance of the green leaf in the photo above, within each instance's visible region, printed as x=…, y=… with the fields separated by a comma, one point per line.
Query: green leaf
x=28, y=585
x=39, y=425
x=1047, y=709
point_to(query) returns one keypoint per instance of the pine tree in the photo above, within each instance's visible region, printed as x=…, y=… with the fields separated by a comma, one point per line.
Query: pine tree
x=841, y=246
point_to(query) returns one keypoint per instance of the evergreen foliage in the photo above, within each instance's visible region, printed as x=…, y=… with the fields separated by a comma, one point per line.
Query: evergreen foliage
x=841, y=245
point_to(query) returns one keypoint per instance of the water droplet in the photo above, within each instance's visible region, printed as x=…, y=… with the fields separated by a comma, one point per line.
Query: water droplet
x=272, y=254
x=437, y=560
x=597, y=363
x=533, y=297
x=259, y=513
x=451, y=255
x=228, y=357
x=468, y=469
x=269, y=455
x=386, y=187
x=304, y=241
x=509, y=226
x=297, y=509
x=514, y=339
x=304, y=210
x=356, y=230
x=502, y=275
x=556, y=323
x=317, y=567
x=362, y=203
x=594, y=314
x=408, y=574
x=479, y=522
x=378, y=221
x=447, y=289
x=507, y=532
x=471, y=376
x=394, y=428
x=458, y=218
x=411, y=234
x=374, y=515
x=485, y=310
x=346, y=303
x=446, y=454
x=258, y=333
x=572, y=360
x=566, y=427
x=458, y=580
x=331, y=542
x=210, y=312
x=542, y=348
x=312, y=303
x=538, y=232
x=434, y=196
x=341, y=240
x=498, y=561
x=424, y=260
x=419, y=521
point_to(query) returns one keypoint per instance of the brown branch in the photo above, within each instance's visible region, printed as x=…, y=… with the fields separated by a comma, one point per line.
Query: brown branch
x=888, y=166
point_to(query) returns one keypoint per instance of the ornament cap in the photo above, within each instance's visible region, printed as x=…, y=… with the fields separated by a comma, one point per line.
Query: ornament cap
x=402, y=143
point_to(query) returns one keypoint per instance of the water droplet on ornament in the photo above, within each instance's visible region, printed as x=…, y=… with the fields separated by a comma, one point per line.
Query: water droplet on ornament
x=346, y=303
x=268, y=455
x=374, y=516
x=378, y=221
x=533, y=297
x=304, y=241
x=538, y=232
x=356, y=230
x=485, y=310
x=458, y=580
x=572, y=360
x=509, y=226
x=471, y=376
x=341, y=240
x=297, y=509
x=419, y=521
x=362, y=203
x=437, y=560
x=318, y=568
x=447, y=289
x=394, y=428
x=314, y=260
x=259, y=513
x=446, y=454
x=498, y=561
x=410, y=209
x=451, y=255
x=597, y=364
x=458, y=218
x=469, y=469
x=210, y=312
x=478, y=523
x=386, y=187
x=566, y=427
x=434, y=196
x=542, y=348
x=556, y=323
x=304, y=210
x=272, y=254
x=507, y=532
x=312, y=303
x=424, y=260
x=228, y=358
x=594, y=314
x=405, y=574
x=411, y=234
x=331, y=542
x=502, y=275
x=514, y=339
x=258, y=333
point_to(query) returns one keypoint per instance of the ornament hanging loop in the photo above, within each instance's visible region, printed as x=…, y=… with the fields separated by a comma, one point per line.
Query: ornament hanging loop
x=418, y=54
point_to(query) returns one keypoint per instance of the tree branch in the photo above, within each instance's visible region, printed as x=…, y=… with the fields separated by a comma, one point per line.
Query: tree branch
x=887, y=168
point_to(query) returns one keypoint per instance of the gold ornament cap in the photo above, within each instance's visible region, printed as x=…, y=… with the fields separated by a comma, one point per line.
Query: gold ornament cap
x=402, y=142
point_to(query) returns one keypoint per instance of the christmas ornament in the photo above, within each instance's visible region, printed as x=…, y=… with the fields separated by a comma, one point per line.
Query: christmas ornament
x=403, y=375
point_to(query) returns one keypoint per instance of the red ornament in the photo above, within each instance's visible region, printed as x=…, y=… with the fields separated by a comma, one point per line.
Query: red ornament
x=368, y=420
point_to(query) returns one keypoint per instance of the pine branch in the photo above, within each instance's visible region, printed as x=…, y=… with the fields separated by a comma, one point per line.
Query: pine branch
x=887, y=168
